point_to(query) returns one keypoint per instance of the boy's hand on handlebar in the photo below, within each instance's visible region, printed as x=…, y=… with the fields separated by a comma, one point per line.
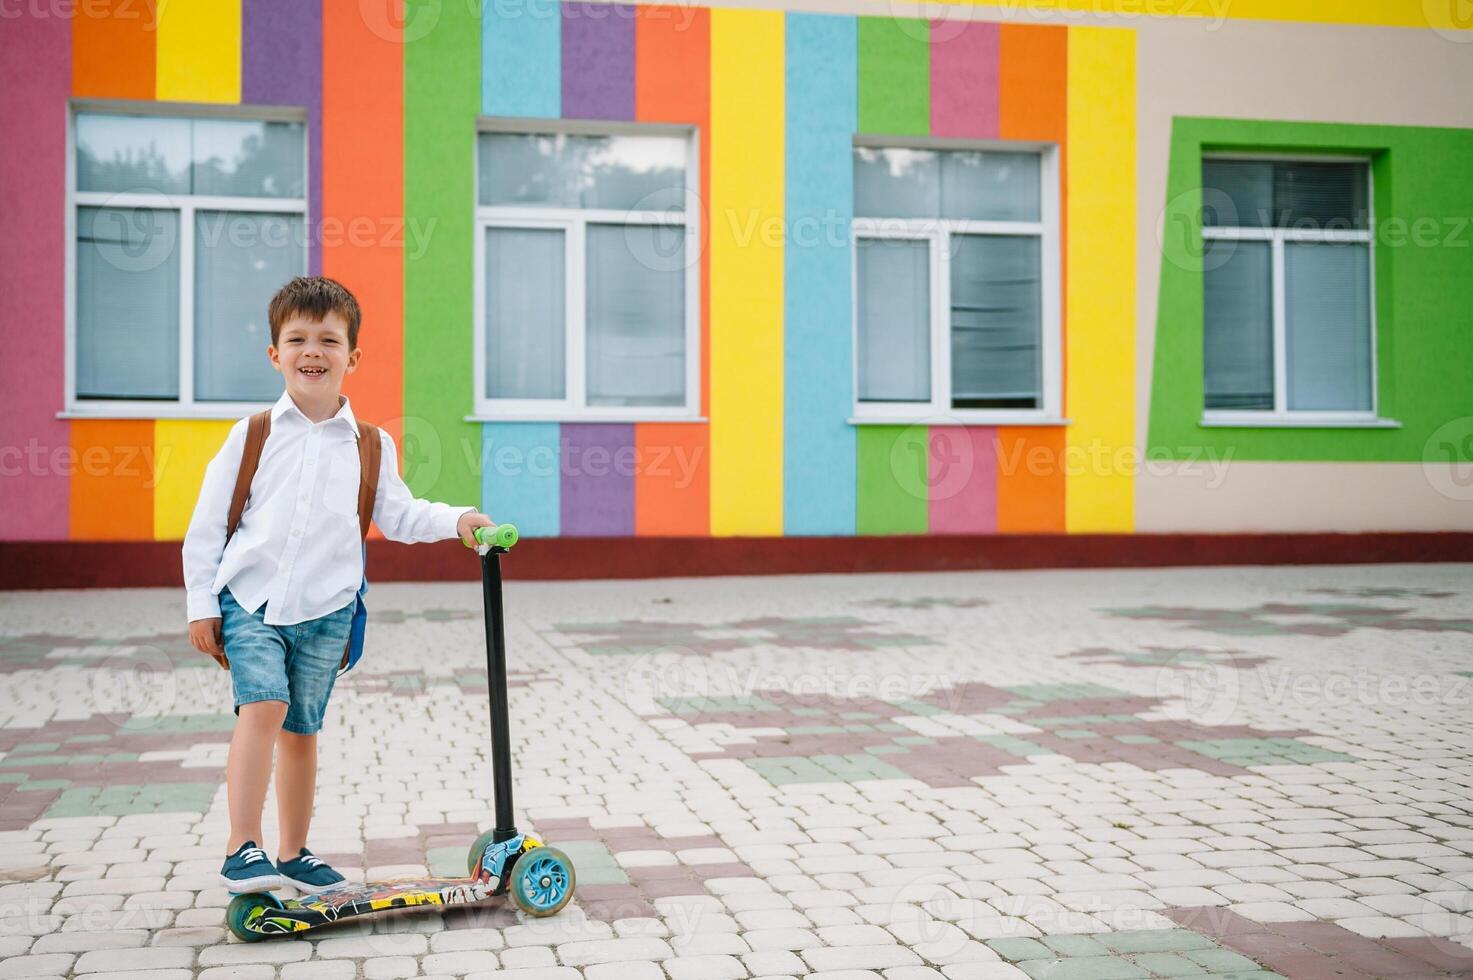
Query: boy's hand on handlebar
x=466, y=526
x=206, y=637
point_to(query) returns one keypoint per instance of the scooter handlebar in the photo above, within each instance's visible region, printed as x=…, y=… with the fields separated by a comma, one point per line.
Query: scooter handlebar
x=501, y=536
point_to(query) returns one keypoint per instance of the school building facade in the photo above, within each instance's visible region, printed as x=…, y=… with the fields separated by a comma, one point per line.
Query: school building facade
x=677, y=284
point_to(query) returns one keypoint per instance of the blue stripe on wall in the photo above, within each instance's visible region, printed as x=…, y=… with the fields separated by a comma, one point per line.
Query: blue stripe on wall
x=822, y=110
x=521, y=476
x=521, y=60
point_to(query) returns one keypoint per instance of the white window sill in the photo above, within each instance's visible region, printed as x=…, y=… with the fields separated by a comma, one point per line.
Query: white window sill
x=583, y=419
x=150, y=412
x=955, y=420
x=1247, y=421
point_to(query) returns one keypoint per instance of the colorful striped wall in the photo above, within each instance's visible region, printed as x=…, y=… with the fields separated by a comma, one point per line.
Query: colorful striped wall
x=777, y=99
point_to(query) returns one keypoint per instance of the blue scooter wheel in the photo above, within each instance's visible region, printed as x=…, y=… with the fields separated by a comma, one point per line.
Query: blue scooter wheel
x=245, y=910
x=542, y=881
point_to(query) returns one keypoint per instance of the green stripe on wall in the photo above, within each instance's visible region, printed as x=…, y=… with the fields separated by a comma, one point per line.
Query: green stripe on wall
x=894, y=76
x=892, y=479
x=442, y=97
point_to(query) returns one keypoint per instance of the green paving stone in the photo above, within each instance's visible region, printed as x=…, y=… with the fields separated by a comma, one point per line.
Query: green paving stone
x=1219, y=960
x=816, y=730
x=1014, y=745
x=13, y=777
x=859, y=728
x=1083, y=968
x=125, y=800
x=1073, y=945
x=1155, y=941
x=890, y=726
x=1019, y=948
x=121, y=757
x=1077, y=733
x=780, y=770
x=28, y=748
x=886, y=749
x=858, y=715
x=88, y=738
x=915, y=740
x=1168, y=965
x=447, y=862
x=920, y=708
x=810, y=712
x=1137, y=739
x=159, y=724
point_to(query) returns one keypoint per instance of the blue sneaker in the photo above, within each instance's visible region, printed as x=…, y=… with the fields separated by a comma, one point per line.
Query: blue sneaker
x=310, y=873
x=247, y=870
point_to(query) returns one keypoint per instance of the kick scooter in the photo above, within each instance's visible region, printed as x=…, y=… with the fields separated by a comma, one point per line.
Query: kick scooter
x=540, y=878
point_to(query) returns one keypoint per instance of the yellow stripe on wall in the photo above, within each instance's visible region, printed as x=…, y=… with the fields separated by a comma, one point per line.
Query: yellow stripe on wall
x=747, y=147
x=1441, y=15
x=1100, y=292
x=198, y=51
x=182, y=448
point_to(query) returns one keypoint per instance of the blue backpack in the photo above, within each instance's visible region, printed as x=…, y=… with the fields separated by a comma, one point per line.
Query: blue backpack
x=370, y=451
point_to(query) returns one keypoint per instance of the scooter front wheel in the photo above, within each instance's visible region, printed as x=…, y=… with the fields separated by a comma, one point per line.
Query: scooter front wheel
x=542, y=881
x=245, y=912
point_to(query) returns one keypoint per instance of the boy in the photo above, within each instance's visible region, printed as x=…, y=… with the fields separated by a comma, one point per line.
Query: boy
x=273, y=602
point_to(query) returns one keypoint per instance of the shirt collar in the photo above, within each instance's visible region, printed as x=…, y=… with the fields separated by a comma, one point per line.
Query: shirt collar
x=285, y=406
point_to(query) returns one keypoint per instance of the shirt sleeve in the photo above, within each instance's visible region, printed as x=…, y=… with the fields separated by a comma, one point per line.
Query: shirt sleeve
x=400, y=514
x=204, y=542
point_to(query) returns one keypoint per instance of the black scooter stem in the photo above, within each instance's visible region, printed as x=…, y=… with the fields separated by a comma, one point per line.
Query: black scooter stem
x=505, y=828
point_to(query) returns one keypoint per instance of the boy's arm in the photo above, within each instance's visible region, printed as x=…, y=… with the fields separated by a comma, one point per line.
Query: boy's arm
x=400, y=514
x=204, y=542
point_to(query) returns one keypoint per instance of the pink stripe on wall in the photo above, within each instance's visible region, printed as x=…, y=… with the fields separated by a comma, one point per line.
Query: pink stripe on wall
x=963, y=478
x=964, y=59
x=35, y=446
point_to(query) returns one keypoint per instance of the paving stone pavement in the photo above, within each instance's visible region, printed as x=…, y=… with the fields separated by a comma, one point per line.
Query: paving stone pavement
x=1067, y=775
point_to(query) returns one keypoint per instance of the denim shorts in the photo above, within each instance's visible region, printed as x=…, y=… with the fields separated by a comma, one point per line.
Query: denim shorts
x=296, y=664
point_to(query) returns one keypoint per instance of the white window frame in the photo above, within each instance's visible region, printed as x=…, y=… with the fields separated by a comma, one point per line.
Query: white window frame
x=574, y=222
x=1281, y=415
x=938, y=233
x=185, y=406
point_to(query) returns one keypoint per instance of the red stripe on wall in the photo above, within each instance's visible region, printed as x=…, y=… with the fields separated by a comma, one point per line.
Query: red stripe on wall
x=964, y=87
x=364, y=235
x=35, y=446
x=672, y=84
x=963, y=480
x=113, y=49
x=113, y=480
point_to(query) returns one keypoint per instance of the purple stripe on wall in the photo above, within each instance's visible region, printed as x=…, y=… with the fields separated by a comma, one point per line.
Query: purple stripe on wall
x=964, y=60
x=35, y=446
x=598, y=60
x=281, y=65
x=963, y=478
x=598, y=463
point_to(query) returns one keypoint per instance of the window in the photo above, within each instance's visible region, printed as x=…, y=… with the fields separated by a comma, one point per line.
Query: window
x=587, y=272
x=182, y=230
x=1288, y=328
x=956, y=284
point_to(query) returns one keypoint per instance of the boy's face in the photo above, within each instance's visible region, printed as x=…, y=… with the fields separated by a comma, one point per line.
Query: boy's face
x=313, y=356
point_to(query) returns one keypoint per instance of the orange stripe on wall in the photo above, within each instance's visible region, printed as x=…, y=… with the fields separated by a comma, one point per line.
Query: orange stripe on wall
x=672, y=84
x=364, y=240
x=112, y=480
x=672, y=479
x=1030, y=479
x=113, y=49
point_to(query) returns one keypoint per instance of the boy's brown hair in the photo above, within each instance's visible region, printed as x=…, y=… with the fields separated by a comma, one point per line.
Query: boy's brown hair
x=314, y=297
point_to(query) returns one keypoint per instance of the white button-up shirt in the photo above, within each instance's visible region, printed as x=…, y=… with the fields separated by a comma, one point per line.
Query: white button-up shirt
x=298, y=547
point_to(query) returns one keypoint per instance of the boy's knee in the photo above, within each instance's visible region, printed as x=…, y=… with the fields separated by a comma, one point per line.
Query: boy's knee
x=264, y=714
x=296, y=742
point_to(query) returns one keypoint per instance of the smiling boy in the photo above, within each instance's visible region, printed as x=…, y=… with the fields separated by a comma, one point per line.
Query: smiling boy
x=273, y=602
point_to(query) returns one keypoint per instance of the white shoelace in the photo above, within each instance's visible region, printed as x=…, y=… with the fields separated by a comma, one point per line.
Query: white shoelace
x=252, y=854
x=313, y=861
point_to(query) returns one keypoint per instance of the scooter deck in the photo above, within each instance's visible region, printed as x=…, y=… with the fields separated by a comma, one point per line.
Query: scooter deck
x=278, y=917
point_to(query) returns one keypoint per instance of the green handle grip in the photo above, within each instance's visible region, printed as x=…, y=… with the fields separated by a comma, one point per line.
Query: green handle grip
x=497, y=535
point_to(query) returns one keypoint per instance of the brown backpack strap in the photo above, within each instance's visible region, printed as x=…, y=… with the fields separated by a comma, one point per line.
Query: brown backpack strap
x=257, y=429
x=370, y=452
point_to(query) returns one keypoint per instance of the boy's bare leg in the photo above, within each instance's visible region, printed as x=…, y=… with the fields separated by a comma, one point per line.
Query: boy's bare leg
x=248, y=768
x=296, y=786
